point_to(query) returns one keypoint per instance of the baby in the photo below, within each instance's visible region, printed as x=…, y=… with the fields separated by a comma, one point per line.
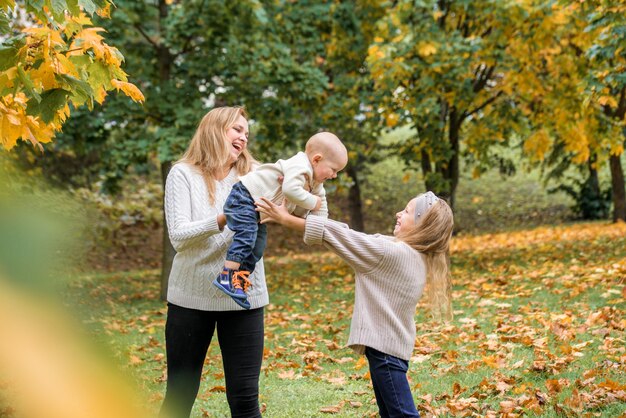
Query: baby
x=303, y=176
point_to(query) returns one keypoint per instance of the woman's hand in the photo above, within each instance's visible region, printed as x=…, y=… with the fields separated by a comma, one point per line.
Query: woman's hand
x=271, y=211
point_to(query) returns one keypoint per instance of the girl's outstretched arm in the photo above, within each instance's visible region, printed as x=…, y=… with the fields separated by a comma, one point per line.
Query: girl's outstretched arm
x=279, y=215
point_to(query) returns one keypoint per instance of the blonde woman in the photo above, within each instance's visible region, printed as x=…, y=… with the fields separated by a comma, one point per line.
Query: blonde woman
x=391, y=274
x=195, y=191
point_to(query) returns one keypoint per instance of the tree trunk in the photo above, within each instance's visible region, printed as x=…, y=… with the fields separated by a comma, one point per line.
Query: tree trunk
x=594, y=182
x=453, y=165
x=617, y=173
x=168, y=254
x=450, y=171
x=427, y=168
x=617, y=187
x=354, y=201
x=165, y=64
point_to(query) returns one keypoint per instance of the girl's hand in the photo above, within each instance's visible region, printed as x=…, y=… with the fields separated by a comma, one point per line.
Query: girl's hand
x=272, y=212
x=318, y=205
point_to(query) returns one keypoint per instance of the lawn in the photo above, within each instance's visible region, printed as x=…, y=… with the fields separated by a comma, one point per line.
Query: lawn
x=539, y=330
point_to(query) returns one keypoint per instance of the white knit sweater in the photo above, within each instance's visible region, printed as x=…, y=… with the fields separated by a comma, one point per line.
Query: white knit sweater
x=390, y=279
x=199, y=243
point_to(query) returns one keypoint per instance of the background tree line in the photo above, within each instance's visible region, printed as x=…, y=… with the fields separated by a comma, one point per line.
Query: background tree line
x=547, y=78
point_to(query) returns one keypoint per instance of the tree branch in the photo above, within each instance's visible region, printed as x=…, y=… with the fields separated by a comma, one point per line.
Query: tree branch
x=482, y=106
x=145, y=35
x=445, y=8
x=621, y=105
x=481, y=81
x=186, y=46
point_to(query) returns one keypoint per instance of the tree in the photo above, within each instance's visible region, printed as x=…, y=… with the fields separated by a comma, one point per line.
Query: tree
x=607, y=84
x=572, y=95
x=50, y=59
x=447, y=70
x=351, y=96
x=333, y=39
x=191, y=56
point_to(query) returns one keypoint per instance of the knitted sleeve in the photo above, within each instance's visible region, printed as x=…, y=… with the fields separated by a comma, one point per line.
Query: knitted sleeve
x=179, y=193
x=362, y=251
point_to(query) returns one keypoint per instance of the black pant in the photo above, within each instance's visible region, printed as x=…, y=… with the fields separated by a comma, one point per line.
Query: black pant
x=188, y=333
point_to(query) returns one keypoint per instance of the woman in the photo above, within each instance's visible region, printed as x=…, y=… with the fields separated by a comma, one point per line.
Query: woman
x=196, y=189
x=390, y=277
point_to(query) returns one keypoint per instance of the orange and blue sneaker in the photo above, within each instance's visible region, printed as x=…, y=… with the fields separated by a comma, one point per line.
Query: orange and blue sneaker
x=234, y=283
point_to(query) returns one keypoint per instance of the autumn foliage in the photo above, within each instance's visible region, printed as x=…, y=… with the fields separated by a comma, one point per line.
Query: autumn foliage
x=57, y=60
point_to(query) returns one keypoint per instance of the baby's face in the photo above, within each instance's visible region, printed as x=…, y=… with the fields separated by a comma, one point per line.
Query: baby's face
x=327, y=168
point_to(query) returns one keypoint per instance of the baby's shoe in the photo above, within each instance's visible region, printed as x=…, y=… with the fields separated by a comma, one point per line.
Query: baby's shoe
x=234, y=283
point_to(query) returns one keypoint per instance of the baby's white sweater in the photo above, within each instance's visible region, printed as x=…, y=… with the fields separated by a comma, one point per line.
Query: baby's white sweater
x=200, y=245
x=298, y=185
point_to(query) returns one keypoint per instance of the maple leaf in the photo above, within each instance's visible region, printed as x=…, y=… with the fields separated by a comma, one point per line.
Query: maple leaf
x=129, y=89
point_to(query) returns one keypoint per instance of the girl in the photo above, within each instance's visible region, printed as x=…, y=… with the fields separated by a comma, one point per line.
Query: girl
x=390, y=277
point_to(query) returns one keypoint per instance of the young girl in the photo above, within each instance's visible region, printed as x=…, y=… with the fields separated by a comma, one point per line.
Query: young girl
x=390, y=277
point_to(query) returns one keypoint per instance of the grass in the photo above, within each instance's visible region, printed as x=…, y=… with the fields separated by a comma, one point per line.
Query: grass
x=539, y=330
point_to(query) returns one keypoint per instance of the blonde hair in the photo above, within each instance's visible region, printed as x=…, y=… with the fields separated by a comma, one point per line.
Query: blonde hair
x=431, y=237
x=209, y=150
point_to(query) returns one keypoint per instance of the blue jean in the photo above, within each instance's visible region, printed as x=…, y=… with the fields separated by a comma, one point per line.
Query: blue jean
x=391, y=387
x=250, y=236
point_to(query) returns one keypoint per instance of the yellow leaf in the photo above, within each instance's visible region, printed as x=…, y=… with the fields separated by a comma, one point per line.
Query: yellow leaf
x=82, y=19
x=65, y=66
x=360, y=363
x=607, y=100
x=100, y=94
x=537, y=145
x=10, y=132
x=43, y=77
x=129, y=89
x=106, y=10
x=617, y=149
x=426, y=49
x=391, y=120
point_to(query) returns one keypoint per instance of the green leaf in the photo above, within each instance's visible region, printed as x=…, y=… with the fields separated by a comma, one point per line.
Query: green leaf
x=4, y=22
x=27, y=83
x=51, y=101
x=6, y=4
x=36, y=7
x=81, y=91
x=8, y=57
x=259, y=12
x=99, y=75
x=72, y=7
x=58, y=9
x=88, y=5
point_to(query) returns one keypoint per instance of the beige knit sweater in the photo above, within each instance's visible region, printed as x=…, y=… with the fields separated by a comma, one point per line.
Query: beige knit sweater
x=390, y=279
x=199, y=243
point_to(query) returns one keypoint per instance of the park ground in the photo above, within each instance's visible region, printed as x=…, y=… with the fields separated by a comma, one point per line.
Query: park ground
x=538, y=331
x=539, y=328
